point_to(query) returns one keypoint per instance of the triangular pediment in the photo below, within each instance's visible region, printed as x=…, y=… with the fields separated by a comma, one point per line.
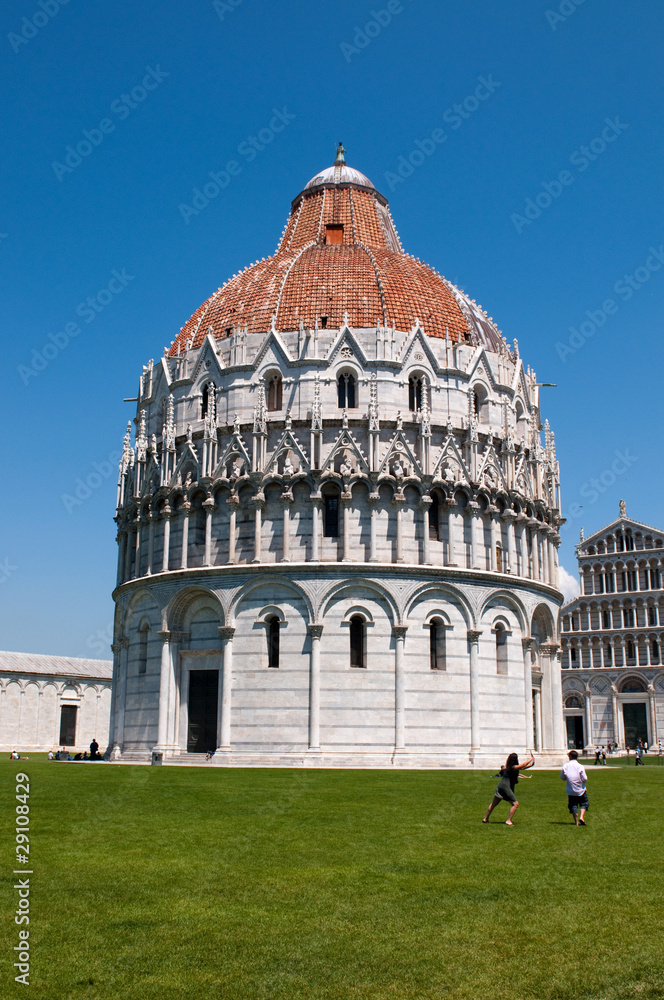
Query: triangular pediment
x=235, y=452
x=419, y=343
x=208, y=361
x=398, y=449
x=479, y=367
x=288, y=444
x=522, y=481
x=345, y=443
x=450, y=466
x=490, y=471
x=346, y=342
x=274, y=349
x=188, y=458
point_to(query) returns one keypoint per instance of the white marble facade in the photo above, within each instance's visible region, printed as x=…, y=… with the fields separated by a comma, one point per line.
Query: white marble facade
x=355, y=530
x=47, y=702
x=612, y=635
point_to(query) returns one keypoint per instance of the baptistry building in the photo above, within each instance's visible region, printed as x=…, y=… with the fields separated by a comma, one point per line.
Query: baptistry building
x=338, y=517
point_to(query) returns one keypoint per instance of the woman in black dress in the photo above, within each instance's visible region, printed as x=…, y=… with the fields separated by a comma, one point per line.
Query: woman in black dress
x=509, y=775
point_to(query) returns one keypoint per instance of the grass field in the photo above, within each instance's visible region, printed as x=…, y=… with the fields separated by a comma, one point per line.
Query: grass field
x=292, y=884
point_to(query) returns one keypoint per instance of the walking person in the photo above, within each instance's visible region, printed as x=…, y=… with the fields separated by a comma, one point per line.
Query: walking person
x=509, y=776
x=598, y=754
x=577, y=796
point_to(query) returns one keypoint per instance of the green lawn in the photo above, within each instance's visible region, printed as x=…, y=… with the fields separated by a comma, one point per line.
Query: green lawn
x=296, y=885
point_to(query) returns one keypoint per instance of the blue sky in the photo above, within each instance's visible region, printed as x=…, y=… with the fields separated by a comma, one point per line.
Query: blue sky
x=544, y=202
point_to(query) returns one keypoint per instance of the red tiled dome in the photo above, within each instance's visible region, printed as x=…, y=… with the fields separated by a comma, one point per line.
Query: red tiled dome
x=339, y=253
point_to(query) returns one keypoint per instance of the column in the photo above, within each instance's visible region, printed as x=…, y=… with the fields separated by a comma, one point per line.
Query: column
x=474, y=650
x=550, y=650
x=534, y=525
x=509, y=517
x=399, y=703
x=653, y=717
x=618, y=734
x=398, y=500
x=527, y=643
x=169, y=652
x=544, y=558
x=345, y=527
x=537, y=700
x=287, y=500
x=452, y=543
x=589, y=720
x=233, y=504
x=122, y=545
x=472, y=511
x=315, y=633
x=315, y=528
x=137, y=545
x=258, y=526
x=496, y=541
x=128, y=552
x=208, y=504
x=167, y=513
x=116, y=728
x=524, y=569
x=226, y=633
x=373, y=515
x=151, y=523
x=184, y=553
x=425, y=505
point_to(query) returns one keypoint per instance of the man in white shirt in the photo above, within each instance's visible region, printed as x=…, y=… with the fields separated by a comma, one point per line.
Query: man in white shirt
x=577, y=796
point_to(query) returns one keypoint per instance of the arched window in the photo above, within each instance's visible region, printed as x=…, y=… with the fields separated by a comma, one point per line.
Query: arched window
x=347, y=391
x=630, y=650
x=274, y=392
x=608, y=655
x=654, y=651
x=501, y=648
x=632, y=686
x=331, y=515
x=437, y=645
x=606, y=619
x=143, y=637
x=416, y=387
x=207, y=398
x=273, y=627
x=357, y=641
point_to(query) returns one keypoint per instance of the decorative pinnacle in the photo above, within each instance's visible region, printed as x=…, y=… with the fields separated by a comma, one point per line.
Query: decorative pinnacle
x=341, y=157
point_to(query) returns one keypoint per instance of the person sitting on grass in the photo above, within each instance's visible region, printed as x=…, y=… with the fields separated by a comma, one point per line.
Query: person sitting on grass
x=509, y=775
x=577, y=796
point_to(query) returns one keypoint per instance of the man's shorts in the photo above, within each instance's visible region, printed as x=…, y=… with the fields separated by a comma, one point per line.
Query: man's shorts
x=576, y=802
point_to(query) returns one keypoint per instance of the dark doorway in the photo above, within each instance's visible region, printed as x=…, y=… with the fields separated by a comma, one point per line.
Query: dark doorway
x=636, y=724
x=68, y=725
x=575, y=732
x=203, y=692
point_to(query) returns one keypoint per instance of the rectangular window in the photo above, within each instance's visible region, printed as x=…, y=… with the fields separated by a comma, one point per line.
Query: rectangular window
x=331, y=517
x=334, y=235
x=606, y=619
x=652, y=616
x=68, y=725
x=628, y=617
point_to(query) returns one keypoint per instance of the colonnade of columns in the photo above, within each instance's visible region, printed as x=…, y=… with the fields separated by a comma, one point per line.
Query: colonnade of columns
x=519, y=545
x=169, y=694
